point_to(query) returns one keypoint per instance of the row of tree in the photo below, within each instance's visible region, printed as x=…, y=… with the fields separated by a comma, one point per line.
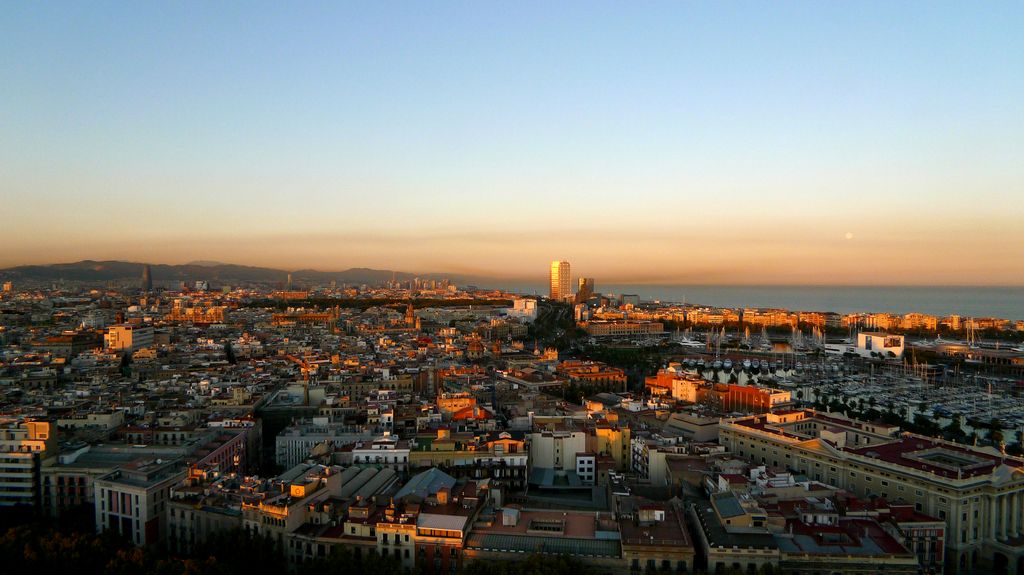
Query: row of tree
x=47, y=548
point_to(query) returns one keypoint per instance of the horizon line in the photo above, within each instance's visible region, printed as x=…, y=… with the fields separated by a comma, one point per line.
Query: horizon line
x=539, y=279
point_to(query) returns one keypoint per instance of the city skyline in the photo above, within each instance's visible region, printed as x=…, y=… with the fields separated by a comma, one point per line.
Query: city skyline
x=461, y=288
x=528, y=279
x=797, y=144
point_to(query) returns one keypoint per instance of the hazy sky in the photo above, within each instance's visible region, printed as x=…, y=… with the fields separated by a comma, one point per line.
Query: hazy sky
x=698, y=142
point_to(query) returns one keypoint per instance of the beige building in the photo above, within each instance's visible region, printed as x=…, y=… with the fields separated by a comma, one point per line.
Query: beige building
x=128, y=337
x=556, y=449
x=978, y=492
x=25, y=446
x=622, y=328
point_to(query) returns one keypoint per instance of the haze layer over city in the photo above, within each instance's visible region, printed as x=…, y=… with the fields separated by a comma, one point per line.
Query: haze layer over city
x=468, y=288
x=803, y=143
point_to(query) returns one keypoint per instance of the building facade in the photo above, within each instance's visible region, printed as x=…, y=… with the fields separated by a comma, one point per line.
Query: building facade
x=132, y=500
x=24, y=447
x=979, y=493
x=561, y=284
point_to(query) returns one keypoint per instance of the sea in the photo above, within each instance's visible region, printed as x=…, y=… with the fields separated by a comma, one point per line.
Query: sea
x=986, y=301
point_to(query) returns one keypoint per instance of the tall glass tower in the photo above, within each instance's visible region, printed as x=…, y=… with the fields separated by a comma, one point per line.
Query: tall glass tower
x=147, y=278
x=561, y=286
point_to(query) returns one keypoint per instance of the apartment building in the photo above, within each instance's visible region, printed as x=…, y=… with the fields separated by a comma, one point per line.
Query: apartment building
x=132, y=499
x=295, y=443
x=128, y=337
x=25, y=446
x=384, y=451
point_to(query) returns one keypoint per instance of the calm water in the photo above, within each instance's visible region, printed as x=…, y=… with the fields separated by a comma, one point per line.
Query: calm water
x=1003, y=302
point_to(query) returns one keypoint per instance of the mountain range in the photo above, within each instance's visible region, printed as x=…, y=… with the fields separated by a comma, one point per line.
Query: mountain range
x=103, y=271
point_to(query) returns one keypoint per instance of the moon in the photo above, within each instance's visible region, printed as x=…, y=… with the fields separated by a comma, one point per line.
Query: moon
x=849, y=235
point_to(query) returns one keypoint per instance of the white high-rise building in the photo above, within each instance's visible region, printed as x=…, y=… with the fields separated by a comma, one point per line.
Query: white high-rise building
x=561, y=280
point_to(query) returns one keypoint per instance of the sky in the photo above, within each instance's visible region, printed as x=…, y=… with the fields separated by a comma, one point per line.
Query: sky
x=654, y=142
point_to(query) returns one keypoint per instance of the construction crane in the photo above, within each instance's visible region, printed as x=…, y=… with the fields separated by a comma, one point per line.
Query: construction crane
x=308, y=372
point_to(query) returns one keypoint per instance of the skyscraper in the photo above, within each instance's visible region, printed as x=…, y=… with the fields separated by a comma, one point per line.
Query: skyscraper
x=147, y=278
x=585, y=289
x=561, y=286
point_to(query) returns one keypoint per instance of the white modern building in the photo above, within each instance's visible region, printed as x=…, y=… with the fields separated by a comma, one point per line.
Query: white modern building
x=872, y=342
x=385, y=451
x=295, y=443
x=524, y=308
x=132, y=500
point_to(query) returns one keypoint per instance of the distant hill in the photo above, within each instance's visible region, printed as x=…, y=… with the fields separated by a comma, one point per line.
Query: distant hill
x=104, y=271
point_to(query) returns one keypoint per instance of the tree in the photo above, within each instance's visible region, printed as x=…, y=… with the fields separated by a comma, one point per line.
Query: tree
x=954, y=431
x=532, y=565
x=229, y=353
x=126, y=363
x=344, y=562
x=41, y=548
x=925, y=425
x=995, y=431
